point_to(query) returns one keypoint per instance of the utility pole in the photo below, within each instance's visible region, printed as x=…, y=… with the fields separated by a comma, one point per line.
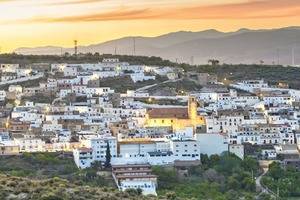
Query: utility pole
x=75, y=48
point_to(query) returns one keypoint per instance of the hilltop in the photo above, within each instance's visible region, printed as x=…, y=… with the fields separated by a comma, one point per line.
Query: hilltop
x=241, y=46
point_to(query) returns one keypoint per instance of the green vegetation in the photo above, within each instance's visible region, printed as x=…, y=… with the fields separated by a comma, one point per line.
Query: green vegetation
x=107, y=156
x=55, y=176
x=39, y=98
x=59, y=189
x=286, y=181
x=162, y=101
x=124, y=83
x=271, y=73
x=49, y=165
x=180, y=87
x=219, y=177
x=29, y=83
x=81, y=58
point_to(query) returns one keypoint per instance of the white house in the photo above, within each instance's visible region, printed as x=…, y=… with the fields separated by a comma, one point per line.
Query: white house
x=2, y=95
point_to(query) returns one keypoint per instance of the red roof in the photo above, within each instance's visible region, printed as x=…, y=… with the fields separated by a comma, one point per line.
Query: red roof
x=84, y=149
x=180, y=113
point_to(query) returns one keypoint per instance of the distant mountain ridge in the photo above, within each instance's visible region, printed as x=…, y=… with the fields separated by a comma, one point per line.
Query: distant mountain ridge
x=242, y=46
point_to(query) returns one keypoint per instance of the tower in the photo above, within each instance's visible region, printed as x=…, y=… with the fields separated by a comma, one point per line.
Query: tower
x=192, y=108
x=75, y=47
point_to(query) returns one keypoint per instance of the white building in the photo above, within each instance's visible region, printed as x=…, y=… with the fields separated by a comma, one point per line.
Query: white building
x=250, y=85
x=2, y=95
x=95, y=150
x=15, y=88
x=83, y=157
x=212, y=143
x=70, y=70
x=30, y=144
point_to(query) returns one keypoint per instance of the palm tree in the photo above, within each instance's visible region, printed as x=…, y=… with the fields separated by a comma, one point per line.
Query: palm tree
x=213, y=62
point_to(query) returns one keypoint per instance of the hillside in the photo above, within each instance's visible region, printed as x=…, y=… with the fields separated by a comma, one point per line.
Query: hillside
x=18, y=188
x=243, y=46
x=54, y=176
x=270, y=73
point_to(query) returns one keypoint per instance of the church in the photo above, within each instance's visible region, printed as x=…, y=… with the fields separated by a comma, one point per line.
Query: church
x=177, y=118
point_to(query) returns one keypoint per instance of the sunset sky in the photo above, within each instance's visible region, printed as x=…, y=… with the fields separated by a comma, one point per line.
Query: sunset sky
x=29, y=23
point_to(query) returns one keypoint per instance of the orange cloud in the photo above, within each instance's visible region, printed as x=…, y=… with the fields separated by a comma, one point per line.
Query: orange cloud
x=251, y=9
x=120, y=14
x=73, y=2
x=246, y=10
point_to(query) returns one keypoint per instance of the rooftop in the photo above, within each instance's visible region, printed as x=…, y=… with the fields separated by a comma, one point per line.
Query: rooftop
x=180, y=113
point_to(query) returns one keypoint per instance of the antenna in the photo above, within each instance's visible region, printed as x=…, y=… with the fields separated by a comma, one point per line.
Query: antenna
x=75, y=47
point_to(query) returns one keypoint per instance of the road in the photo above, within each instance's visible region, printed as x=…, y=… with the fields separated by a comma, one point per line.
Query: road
x=260, y=188
x=153, y=85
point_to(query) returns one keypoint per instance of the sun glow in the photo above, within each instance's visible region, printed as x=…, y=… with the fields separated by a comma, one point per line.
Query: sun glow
x=33, y=23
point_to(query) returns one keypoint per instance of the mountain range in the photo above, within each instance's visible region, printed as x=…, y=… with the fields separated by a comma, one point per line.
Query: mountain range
x=271, y=46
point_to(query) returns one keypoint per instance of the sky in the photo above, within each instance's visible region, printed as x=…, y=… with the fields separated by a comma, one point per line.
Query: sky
x=31, y=23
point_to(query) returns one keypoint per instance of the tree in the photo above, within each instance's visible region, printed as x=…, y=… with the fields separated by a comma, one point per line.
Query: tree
x=213, y=176
x=265, y=196
x=171, y=195
x=133, y=192
x=90, y=174
x=261, y=62
x=97, y=165
x=248, y=184
x=233, y=183
x=275, y=171
x=213, y=62
x=204, y=159
x=139, y=191
x=107, y=156
x=214, y=159
x=250, y=164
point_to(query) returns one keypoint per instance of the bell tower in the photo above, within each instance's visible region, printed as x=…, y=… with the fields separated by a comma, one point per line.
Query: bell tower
x=192, y=108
